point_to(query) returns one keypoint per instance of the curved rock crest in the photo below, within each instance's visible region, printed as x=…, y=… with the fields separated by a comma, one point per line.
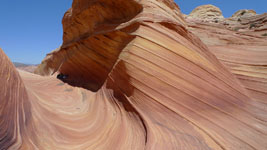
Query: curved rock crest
x=147, y=83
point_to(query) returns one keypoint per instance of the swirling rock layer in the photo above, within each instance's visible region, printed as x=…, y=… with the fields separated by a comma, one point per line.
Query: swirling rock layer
x=147, y=83
x=242, y=46
x=15, y=108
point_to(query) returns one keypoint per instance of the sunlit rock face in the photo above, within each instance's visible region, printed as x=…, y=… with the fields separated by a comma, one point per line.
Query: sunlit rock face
x=207, y=13
x=15, y=109
x=243, y=20
x=248, y=21
x=244, y=13
x=137, y=79
x=49, y=63
x=240, y=42
x=96, y=32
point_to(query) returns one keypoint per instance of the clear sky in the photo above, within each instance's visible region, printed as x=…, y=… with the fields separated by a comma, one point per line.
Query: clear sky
x=29, y=29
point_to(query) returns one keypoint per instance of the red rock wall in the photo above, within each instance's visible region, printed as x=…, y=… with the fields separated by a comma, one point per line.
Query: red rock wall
x=15, y=109
x=154, y=69
x=155, y=85
x=243, y=51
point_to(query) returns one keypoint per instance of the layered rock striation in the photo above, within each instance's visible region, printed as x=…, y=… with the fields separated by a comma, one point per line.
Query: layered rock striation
x=239, y=42
x=244, y=21
x=207, y=13
x=140, y=80
x=15, y=108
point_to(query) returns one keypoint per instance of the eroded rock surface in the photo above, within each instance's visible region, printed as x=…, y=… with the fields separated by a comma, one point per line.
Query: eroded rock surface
x=147, y=83
x=15, y=108
x=240, y=42
x=244, y=13
x=207, y=13
x=244, y=21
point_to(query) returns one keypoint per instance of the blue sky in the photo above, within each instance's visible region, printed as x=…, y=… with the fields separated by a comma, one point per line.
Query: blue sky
x=29, y=29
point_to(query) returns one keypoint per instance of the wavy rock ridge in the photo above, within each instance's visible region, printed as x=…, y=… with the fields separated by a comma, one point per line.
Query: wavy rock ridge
x=240, y=44
x=15, y=110
x=154, y=85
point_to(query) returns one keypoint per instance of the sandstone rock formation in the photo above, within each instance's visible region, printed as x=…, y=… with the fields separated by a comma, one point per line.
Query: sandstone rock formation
x=15, y=109
x=243, y=20
x=247, y=21
x=147, y=83
x=243, y=14
x=46, y=68
x=26, y=67
x=207, y=13
x=242, y=46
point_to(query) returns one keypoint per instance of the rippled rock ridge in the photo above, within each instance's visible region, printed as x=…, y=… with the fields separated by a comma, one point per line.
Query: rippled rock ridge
x=137, y=76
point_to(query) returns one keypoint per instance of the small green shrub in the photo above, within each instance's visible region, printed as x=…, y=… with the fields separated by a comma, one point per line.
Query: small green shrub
x=253, y=25
x=236, y=28
x=265, y=34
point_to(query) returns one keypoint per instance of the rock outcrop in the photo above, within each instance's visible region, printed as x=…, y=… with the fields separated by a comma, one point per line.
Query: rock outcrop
x=244, y=13
x=246, y=21
x=15, y=109
x=48, y=65
x=207, y=13
x=240, y=42
x=146, y=83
